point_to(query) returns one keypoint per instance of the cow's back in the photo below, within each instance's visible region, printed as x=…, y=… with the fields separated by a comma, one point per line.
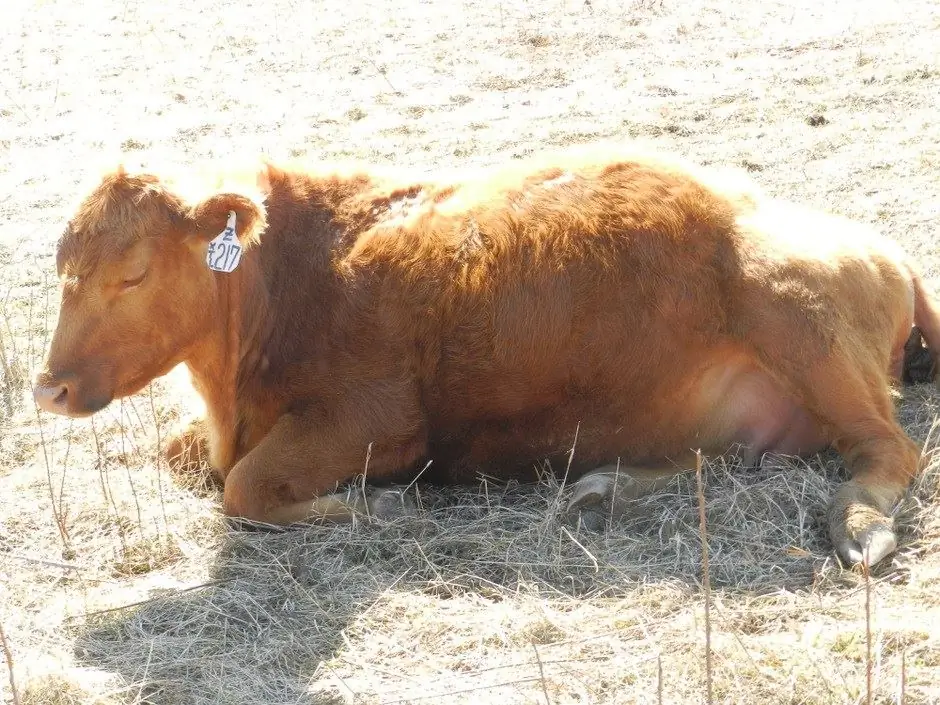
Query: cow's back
x=588, y=295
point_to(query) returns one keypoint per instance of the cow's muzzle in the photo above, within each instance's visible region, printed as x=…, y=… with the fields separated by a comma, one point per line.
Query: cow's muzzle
x=62, y=396
x=53, y=398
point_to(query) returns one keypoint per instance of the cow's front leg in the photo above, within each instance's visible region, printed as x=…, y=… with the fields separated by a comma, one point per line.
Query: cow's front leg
x=292, y=475
x=606, y=493
x=341, y=507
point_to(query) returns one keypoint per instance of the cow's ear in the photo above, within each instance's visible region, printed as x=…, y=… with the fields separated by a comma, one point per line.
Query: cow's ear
x=210, y=216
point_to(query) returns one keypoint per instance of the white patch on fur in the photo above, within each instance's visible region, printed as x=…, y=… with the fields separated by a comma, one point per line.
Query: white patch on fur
x=401, y=210
x=564, y=178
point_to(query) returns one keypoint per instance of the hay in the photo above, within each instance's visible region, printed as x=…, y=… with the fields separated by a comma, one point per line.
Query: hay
x=480, y=582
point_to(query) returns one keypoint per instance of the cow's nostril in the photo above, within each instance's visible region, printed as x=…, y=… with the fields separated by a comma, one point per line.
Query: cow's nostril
x=52, y=397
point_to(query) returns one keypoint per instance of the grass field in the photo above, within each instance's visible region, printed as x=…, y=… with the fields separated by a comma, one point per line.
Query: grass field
x=121, y=584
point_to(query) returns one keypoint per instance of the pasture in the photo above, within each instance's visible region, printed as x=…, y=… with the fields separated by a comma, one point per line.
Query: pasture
x=120, y=583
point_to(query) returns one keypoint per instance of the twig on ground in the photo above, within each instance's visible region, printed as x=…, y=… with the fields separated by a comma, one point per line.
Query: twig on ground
x=127, y=468
x=339, y=679
x=866, y=571
x=443, y=697
x=582, y=547
x=902, y=694
x=659, y=679
x=706, y=583
x=8, y=655
x=365, y=474
x=381, y=73
x=59, y=522
x=417, y=477
x=157, y=455
x=538, y=660
x=174, y=593
x=574, y=445
x=43, y=561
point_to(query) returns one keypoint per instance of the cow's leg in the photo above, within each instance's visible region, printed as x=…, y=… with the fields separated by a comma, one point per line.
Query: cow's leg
x=342, y=507
x=606, y=492
x=853, y=403
x=288, y=477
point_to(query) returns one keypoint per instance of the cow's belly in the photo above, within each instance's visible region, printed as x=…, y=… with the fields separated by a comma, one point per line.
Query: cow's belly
x=743, y=406
x=725, y=403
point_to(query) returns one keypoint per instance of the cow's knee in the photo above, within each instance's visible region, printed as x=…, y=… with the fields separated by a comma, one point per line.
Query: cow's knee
x=606, y=493
x=244, y=498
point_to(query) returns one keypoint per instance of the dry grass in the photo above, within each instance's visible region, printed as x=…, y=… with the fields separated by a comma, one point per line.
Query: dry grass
x=119, y=585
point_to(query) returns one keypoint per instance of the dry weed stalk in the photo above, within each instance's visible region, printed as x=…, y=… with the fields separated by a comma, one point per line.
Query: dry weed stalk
x=158, y=455
x=362, y=484
x=538, y=660
x=706, y=582
x=866, y=571
x=659, y=679
x=9, y=381
x=8, y=655
x=902, y=694
x=59, y=519
x=127, y=467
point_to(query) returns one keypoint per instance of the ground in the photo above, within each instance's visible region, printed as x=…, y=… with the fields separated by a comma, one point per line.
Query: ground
x=120, y=584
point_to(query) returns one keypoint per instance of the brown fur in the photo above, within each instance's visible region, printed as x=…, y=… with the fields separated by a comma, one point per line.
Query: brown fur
x=479, y=323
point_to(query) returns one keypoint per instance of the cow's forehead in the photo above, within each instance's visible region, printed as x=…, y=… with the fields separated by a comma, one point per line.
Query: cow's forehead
x=120, y=212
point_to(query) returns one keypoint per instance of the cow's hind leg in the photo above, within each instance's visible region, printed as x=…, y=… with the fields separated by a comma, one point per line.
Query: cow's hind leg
x=853, y=403
x=606, y=492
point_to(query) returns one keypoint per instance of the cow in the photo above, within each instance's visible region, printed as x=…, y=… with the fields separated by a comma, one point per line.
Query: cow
x=475, y=321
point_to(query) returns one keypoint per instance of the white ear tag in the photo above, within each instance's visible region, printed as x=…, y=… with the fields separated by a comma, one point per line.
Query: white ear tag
x=225, y=250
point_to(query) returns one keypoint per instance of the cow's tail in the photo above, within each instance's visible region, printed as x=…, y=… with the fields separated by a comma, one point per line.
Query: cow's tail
x=917, y=366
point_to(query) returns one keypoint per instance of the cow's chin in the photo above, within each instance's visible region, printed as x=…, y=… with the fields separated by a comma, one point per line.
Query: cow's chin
x=91, y=403
x=91, y=406
x=132, y=385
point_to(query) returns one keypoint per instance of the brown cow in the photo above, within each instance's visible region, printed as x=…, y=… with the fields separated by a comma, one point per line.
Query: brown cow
x=479, y=323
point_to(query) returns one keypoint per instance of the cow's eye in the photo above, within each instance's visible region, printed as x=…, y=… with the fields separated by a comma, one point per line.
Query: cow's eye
x=128, y=284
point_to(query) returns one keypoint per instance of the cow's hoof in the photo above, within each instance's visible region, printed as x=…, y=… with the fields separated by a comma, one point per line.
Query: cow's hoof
x=391, y=503
x=590, y=502
x=860, y=531
x=874, y=544
x=606, y=493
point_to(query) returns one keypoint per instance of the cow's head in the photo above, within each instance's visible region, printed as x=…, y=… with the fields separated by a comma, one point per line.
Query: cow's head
x=137, y=293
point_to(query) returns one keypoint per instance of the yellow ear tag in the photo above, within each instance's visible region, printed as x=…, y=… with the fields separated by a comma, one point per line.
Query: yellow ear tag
x=225, y=250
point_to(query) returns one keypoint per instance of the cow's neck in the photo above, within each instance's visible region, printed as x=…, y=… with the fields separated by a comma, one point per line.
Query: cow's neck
x=230, y=349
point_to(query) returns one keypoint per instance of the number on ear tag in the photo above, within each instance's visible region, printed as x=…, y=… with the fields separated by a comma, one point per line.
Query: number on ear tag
x=225, y=250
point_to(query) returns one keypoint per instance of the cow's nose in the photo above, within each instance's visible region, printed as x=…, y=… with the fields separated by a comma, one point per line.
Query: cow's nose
x=52, y=397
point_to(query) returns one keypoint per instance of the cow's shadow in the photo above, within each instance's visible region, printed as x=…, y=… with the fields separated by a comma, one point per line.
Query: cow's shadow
x=279, y=602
